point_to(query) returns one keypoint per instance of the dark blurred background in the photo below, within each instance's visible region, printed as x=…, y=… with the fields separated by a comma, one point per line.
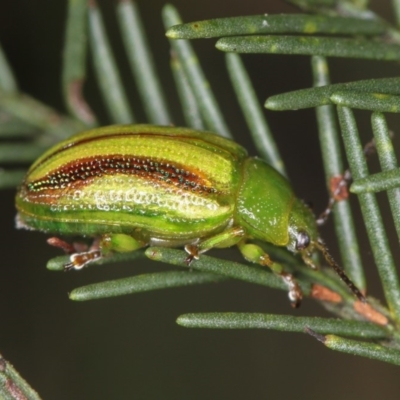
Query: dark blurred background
x=130, y=347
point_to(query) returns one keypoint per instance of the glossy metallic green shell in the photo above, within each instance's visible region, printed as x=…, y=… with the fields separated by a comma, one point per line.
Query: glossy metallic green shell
x=144, y=180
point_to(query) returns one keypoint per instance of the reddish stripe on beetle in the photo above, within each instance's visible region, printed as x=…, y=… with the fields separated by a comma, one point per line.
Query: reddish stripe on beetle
x=112, y=135
x=81, y=172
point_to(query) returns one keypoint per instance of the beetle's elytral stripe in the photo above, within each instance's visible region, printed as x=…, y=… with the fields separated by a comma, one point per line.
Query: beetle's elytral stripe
x=82, y=171
x=86, y=140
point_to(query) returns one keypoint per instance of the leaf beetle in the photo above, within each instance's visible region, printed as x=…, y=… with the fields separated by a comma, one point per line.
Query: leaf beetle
x=137, y=185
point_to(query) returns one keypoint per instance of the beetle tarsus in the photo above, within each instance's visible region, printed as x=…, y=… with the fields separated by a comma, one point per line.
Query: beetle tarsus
x=80, y=260
x=188, y=260
x=295, y=294
x=193, y=252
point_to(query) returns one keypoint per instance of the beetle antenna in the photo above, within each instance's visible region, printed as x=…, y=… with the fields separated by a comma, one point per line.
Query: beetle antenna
x=342, y=275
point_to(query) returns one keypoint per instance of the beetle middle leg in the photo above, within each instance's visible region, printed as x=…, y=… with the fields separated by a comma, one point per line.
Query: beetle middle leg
x=254, y=253
x=226, y=238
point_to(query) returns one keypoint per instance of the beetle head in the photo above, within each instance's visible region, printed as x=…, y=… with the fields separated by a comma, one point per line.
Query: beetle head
x=303, y=238
x=302, y=231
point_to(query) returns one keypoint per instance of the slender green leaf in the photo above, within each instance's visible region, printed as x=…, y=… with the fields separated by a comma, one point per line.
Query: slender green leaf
x=348, y=8
x=142, y=283
x=39, y=115
x=12, y=385
x=74, y=62
x=222, y=267
x=253, y=113
x=315, y=97
x=278, y=23
x=367, y=101
x=396, y=9
x=317, y=6
x=333, y=166
x=323, y=46
x=142, y=64
x=377, y=182
x=23, y=152
x=12, y=127
x=58, y=263
x=369, y=350
x=189, y=104
x=8, y=83
x=209, y=107
x=255, y=274
x=388, y=162
x=372, y=217
x=106, y=70
x=285, y=323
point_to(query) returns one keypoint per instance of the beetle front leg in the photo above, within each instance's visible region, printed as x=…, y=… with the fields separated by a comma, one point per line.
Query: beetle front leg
x=115, y=242
x=253, y=253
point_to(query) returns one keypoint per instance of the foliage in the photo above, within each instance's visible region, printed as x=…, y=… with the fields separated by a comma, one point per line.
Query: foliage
x=333, y=29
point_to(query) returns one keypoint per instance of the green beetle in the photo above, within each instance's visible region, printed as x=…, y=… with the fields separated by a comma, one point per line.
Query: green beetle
x=137, y=185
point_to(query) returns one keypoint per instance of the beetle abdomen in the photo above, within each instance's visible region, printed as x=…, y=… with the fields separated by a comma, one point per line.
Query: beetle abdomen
x=174, y=184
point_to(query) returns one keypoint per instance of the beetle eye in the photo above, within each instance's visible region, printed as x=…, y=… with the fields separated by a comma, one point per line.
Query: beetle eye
x=303, y=240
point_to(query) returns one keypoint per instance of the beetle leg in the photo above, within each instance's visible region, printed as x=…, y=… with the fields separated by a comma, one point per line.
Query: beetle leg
x=79, y=260
x=62, y=244
x=226, y=238
x=79, y=257
x=256, y=254
x=115, y=242
x=193, y=253
x=120, y=243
